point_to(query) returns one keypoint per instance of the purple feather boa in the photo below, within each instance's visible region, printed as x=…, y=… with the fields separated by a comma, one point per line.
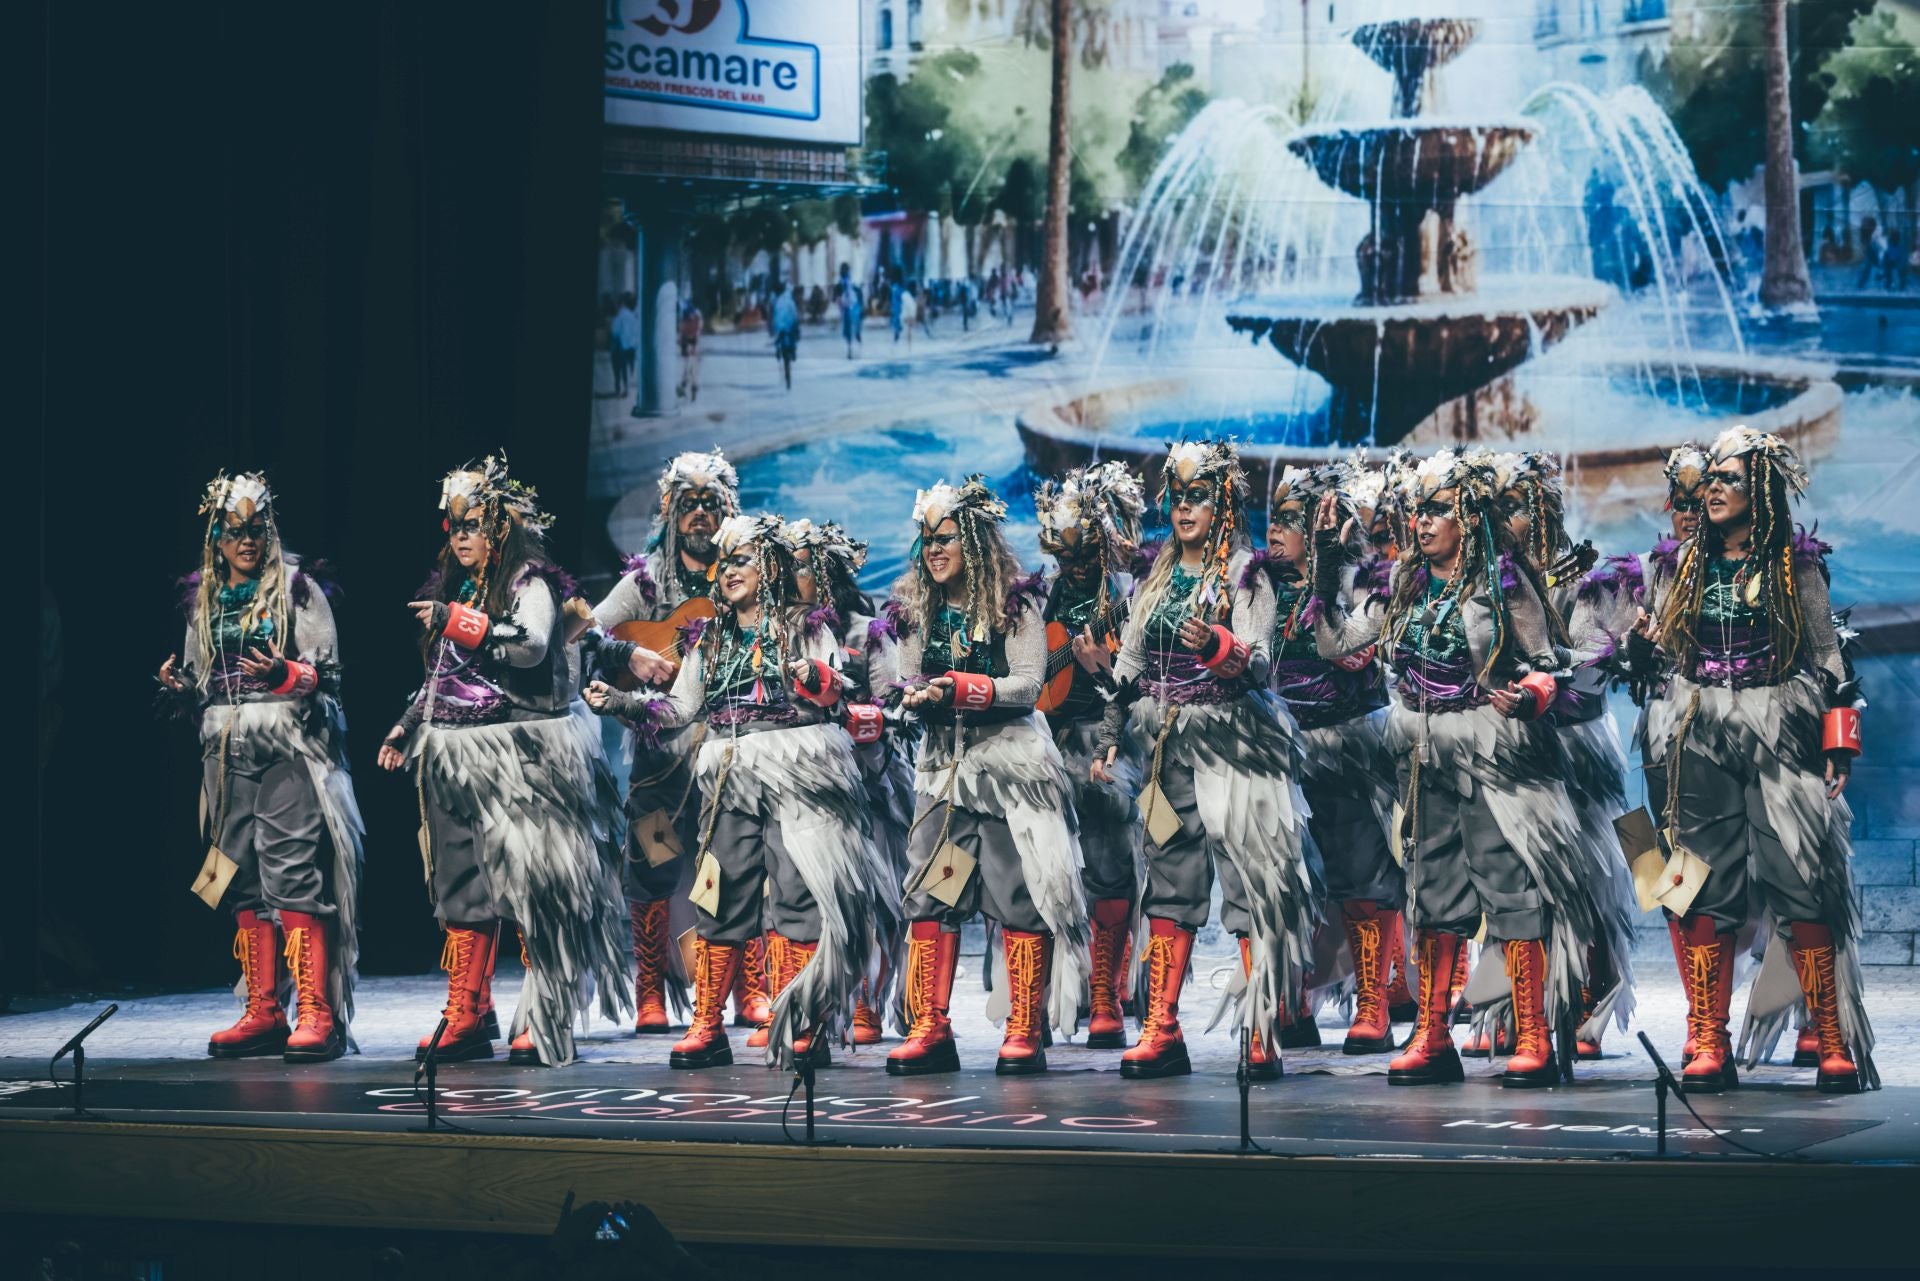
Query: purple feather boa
x=645, y=722
x=1666, y=555
x=690, y=633
x=635, y=567
x=1265, y=561
x=883, y=628
x=188, y=586
x=563, y=584
x=895, y=615
x=1616, y=575
x=1807, y=546
x=1024, y=594
x=824, y=618
x=1376, y=575
x=1143, y=557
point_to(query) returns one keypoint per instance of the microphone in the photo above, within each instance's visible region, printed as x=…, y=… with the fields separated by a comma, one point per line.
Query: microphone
x=73, y=1042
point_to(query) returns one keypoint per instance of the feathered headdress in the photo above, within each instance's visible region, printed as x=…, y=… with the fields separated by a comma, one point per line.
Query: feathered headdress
x=233, y=502
x=1774, y=452
x=1530, y=483
x=236, y=500
x=1300, y=491
x=486, y=487
x=689, y=473
x=971, y=501
x=1098, y=507
x=1686, y=471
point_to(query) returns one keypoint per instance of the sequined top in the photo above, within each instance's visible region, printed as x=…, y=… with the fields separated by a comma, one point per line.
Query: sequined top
x=1735, y=643
x=1318, y=692
x=234, y=637
x=1431, y=659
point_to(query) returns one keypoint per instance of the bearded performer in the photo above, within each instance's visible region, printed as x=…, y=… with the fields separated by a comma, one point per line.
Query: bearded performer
x=1090, y=525
x=262, y=678
x=519, y=813
x=670, y=583
x=1347, y=776
x=1224, y=758
x=1492, y=837
x=827, y=564
x=1599, y=604
x=1767, y=726
x=995, y=830
x=784, y=837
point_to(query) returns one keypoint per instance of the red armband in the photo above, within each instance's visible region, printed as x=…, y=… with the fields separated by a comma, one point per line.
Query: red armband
x=864, y=722
x=828, y=693
x=1230, y=654
x=1541, y=688
x=971, y=692
x=1841, y=731
x=466, y=626
x=301, y=678
x=1355, y=662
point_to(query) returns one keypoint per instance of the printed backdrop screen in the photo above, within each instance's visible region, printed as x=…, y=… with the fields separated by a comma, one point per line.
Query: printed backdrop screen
x=1560, y=237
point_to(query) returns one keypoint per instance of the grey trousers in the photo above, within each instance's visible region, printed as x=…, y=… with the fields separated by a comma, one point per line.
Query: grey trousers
x=998, y=886
x=1463, y=868
x=1723, y=819
x=660, y=782
x=463, y=893
x=1353, y=846
x=274, y=829
x=760, y=889
x=1180, y=873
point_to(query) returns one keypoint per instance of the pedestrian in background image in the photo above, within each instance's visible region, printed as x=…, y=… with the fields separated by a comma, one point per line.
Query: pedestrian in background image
x=852, y=304
x=786, y=330
x=623, y=343
x=897, y=301
x=692, y=324
x=1874, y=249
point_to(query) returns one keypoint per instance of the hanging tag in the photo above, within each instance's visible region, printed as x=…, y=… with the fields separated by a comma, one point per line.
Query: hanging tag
x=1640, y=846
x=947, y=875
x=1162, y=820
x=705, y=894
x=216, y=873
x=1680, y=880
x=659, y=842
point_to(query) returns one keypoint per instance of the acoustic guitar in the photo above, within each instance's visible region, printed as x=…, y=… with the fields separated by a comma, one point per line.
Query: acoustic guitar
x=665, y=637
x=1057, y=692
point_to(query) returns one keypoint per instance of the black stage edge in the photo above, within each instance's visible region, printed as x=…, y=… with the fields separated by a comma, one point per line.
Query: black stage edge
x=1073, y=1162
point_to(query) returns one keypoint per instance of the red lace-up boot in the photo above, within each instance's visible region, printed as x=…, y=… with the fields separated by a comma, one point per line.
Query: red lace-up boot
x=794, y=956
x=1261, y=1065
x=1107, y=950
x=318, y=1036
x=866, y=1020
x=467, y=957
x=1370, y=938
x=1675, y=933
x=1430, y=1058
x=1029, y=959
x=1161, y=1049
x=773, y=977
x=932, y=954
x=1706, y=969
x=1457, y=984
x=1532, y=1064
x=650, y=943
x=705, y=1044
x=1815, y=959
x=262, y=1026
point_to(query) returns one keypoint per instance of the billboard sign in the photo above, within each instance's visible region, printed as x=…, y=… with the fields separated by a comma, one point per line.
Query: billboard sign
x=779, y=69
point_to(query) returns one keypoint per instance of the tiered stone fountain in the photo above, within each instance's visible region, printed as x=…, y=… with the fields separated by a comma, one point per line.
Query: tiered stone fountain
x=1419, y=335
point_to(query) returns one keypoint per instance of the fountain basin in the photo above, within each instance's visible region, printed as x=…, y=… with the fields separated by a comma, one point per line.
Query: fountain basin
x=1613, y=457
x=1393, y=366
x=1426, y=163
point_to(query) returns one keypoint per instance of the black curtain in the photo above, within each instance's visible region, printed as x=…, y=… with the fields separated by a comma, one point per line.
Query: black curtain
x=353, y=245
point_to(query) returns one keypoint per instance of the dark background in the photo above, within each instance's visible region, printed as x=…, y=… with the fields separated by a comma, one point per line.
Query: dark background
x=351, y=244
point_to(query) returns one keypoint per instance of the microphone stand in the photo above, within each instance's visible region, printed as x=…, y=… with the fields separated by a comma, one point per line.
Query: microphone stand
x=76, y=1046
x=430, y=1066
x=1243, y=1076
x=1662, y=1082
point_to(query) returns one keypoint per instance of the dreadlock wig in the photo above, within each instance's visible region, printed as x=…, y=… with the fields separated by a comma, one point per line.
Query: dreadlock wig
x=236, y=503
x=1530, y=486
x=686, y=477
x=1214, y=466
x=834, y=559
x=989, y=569
x=1774, y=477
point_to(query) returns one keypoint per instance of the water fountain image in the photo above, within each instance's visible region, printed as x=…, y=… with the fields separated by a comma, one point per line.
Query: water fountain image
x=1425, y=352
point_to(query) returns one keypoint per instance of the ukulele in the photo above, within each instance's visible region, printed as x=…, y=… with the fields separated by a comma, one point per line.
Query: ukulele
x=665, y=638
x=1057, y=693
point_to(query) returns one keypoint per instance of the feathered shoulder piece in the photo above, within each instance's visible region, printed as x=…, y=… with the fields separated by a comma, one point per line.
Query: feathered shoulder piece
x=637, y=568
x=1809, y=547
x=310, y=574
x=821, y=619
x=563, y=584
x=1265, y=561
x=1024, y=594
x=1143, y=558
x=1665, y=556
x=899, y=625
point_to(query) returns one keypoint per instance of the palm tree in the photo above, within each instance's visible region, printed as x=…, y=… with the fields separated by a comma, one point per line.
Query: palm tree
x=1052, y=322
x=1784, y=282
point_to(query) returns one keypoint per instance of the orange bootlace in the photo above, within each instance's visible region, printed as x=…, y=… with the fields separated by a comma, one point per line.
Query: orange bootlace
x=1100, y=982
x=1702, y=1018
x=1024, y=983
x=1820, y=984
x=1430, y=980
x=1527, y=1000
x=651, y=946
x=260, y=1001
x=1369, y=996
x=306, y=985
x=455, y=956
x=708, y=996
x=756, y=968
x=1159, y=979
x=919, y=985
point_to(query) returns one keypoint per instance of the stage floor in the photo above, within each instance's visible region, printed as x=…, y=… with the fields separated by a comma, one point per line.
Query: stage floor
x=147, y=1064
